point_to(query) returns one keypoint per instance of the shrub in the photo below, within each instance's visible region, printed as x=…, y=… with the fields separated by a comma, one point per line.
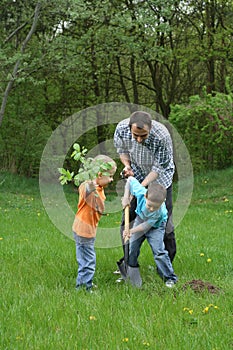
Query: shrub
x=206, y=126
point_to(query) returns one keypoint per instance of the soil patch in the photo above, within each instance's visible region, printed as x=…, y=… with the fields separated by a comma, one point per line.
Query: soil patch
x=200, y=286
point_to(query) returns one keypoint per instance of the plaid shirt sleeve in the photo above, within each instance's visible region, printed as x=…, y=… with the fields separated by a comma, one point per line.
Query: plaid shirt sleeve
x=163, y=156
x=160, y=144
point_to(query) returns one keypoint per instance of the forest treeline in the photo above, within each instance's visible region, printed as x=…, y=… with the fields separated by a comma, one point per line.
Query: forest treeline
x=64, y=56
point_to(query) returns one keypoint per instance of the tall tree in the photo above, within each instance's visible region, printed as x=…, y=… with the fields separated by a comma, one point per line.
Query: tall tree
x=23, y=45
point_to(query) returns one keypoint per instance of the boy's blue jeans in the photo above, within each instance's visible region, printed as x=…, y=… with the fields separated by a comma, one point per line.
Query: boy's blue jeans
x=86, y=258
x=155, y=237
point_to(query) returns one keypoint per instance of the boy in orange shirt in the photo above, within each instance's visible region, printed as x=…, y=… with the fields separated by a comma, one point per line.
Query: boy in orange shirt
x=90, y=209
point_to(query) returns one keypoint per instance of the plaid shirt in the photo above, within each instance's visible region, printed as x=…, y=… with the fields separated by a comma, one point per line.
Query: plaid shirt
x=153, y=154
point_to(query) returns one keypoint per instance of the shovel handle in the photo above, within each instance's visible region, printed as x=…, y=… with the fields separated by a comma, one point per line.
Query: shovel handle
x=126, y=222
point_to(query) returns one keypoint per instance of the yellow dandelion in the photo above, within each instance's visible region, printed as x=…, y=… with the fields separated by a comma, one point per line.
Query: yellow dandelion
x=125, y=340
x=208, y=260
x=202, y=254
x=92, y=318
x=190, y=312
x=206, y=309
x=215, y=307
x=146, y=343
x=1, y=238
x=19, y=338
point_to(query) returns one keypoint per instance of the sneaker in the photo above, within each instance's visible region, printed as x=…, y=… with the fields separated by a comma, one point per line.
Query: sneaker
x=93, y=287
x=120, y=280
x=79, y=288
x=117, y=272
x=169, y=283
x=90, y=291
x=87, y=289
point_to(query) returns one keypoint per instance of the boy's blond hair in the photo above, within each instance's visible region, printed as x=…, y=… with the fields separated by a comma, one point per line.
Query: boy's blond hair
x=105, y=158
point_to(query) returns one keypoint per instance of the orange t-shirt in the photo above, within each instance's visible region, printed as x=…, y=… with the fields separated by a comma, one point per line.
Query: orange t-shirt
x=90, y=208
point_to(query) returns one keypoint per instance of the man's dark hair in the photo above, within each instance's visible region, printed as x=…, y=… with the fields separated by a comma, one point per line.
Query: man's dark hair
x=140, y=118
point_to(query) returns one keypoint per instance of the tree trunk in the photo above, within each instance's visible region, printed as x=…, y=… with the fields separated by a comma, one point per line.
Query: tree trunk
x=17, y=64
x=210, y=24
x=123, y=87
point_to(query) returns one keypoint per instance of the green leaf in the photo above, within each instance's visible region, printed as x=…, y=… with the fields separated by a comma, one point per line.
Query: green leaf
x=76, y=147
x=63, y=180
x=62, y=171
x=77, y=156
x=84, y=151
x=69, y=175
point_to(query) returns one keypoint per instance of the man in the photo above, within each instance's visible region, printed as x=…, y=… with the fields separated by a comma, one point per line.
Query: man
x=146, y=151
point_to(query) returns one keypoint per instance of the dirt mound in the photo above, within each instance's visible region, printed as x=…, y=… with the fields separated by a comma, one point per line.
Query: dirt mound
x=200, y=286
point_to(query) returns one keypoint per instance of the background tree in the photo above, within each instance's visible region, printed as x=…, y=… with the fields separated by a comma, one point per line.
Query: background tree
x=83, y=53
x=23, y=45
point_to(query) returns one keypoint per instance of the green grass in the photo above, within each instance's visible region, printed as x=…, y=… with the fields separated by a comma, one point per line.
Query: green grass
x=40, y=308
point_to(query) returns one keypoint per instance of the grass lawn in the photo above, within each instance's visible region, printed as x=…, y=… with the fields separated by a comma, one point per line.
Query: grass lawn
x=40, y=308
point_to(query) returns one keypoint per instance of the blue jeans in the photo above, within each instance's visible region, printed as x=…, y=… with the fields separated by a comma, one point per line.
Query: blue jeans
x=86, y=258
x=155, y=237
x=169, y=238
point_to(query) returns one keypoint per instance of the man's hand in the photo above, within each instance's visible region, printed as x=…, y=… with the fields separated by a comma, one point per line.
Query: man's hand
x=152, y=176
x=127, y=171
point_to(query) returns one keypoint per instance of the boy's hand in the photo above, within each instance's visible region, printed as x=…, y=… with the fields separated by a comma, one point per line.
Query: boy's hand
x=125, y=201
x=91, y=186
x=126, y=234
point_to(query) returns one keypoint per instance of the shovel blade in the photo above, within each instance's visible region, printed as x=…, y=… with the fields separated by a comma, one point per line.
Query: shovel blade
x=122, y=266
x=134, y=276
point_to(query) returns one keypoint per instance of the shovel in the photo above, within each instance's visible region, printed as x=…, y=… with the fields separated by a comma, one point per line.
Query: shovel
x=131, y=272
x=128, y=272
x=123, y=263
x=126, y=239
